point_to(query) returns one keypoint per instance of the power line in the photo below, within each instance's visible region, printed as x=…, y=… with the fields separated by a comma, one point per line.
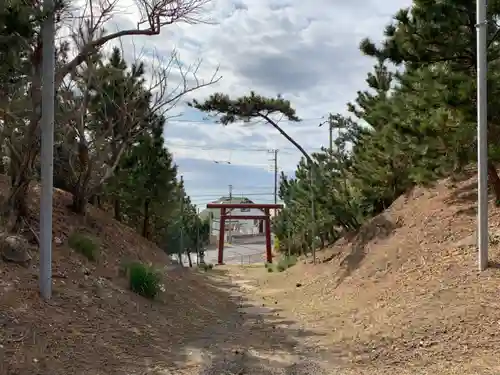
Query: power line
x=239, y=148
x=234, y=195
x=211, y=122
x=244, y=187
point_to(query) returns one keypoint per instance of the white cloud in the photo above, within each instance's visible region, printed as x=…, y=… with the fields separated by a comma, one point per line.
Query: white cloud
x=239, y=144
x=304, y=50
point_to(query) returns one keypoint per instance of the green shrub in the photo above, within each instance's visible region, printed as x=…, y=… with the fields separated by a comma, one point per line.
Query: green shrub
x=124, y=267
x=85, y=245
x=206, y=267
x=280, y=267
x=291, y=260
x=286, y=262
x=270, y=269
x=144, y=280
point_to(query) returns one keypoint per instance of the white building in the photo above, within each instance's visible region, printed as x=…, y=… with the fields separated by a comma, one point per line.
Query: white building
x=234, y=226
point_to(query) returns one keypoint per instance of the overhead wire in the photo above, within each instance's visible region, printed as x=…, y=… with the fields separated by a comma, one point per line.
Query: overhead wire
x=283, y=150
x=237, y=148
x=244, y=188
x=234, y=148
x=209, y=122
x=218, y=196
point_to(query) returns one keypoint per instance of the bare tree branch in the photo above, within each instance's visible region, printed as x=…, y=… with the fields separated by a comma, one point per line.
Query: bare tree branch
x=155, y=14
x=167, y=96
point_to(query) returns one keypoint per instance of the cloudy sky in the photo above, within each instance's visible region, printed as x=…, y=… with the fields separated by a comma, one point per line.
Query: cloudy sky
x=306, y=51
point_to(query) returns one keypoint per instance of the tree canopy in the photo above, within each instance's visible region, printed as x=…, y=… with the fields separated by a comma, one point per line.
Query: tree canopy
x=109, y=117
x=411, y=126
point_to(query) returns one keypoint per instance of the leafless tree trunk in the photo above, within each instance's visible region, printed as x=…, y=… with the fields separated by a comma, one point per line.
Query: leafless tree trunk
x=145, y=220
x=189, y=258
x=89, y=37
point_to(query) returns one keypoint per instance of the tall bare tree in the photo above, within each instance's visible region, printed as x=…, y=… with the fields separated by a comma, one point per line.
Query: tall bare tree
x=21, y=122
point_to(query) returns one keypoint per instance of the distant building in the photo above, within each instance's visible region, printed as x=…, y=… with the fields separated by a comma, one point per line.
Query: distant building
x=234, y=226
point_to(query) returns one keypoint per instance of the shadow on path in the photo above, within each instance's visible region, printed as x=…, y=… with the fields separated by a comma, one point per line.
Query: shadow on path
x=200, y=325
x=254, y=339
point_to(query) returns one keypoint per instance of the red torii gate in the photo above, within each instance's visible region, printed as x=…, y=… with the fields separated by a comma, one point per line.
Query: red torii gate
x=226, y=207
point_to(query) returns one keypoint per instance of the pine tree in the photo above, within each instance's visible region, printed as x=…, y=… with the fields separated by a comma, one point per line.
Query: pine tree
x=441, y=36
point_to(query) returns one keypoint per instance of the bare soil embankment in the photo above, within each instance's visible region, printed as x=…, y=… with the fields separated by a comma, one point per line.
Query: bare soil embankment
x=95, y=325
x=403, y=295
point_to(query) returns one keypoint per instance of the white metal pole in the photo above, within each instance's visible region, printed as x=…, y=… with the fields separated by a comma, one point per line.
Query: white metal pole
x=482, y=143
x=198, y=247
x=47, y=150
x=181, y=231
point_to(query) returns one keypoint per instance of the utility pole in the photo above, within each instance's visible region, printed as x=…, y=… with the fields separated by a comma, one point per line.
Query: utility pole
x=274, y=168
x=229, y=233
x=47, y=150
x=181, y=234
x=211, y=224
x=330, y=134
x=482, y=143
x=330, y=131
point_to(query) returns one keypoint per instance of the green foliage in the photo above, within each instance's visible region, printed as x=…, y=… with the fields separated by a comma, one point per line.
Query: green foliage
x=85, y=245
x=144, y=280
x=124, y=268
x=250, y=107
x=284, y=262
x=206, y=266
x=410, y=127
x=280, y=267
x=109, y=118
x=245, y=108
x=269, y=267
x=287, y=261
x=144, y=189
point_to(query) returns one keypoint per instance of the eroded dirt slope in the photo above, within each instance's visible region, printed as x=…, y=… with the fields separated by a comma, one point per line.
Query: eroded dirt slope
x=200, y=325
x=94, y=324
x=403, y=295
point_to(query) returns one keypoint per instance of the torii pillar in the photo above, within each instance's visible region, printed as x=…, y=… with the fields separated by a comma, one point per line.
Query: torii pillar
x=224, y=210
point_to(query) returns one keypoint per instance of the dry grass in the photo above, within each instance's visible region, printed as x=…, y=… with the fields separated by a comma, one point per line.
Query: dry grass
x=95, y=325
x=403, y=295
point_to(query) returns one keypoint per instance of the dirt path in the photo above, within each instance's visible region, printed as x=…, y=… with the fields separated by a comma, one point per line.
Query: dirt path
x=256, y=340
x=265, y=337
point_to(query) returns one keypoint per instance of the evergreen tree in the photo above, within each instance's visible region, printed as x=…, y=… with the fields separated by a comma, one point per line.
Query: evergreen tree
x=438, y=40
